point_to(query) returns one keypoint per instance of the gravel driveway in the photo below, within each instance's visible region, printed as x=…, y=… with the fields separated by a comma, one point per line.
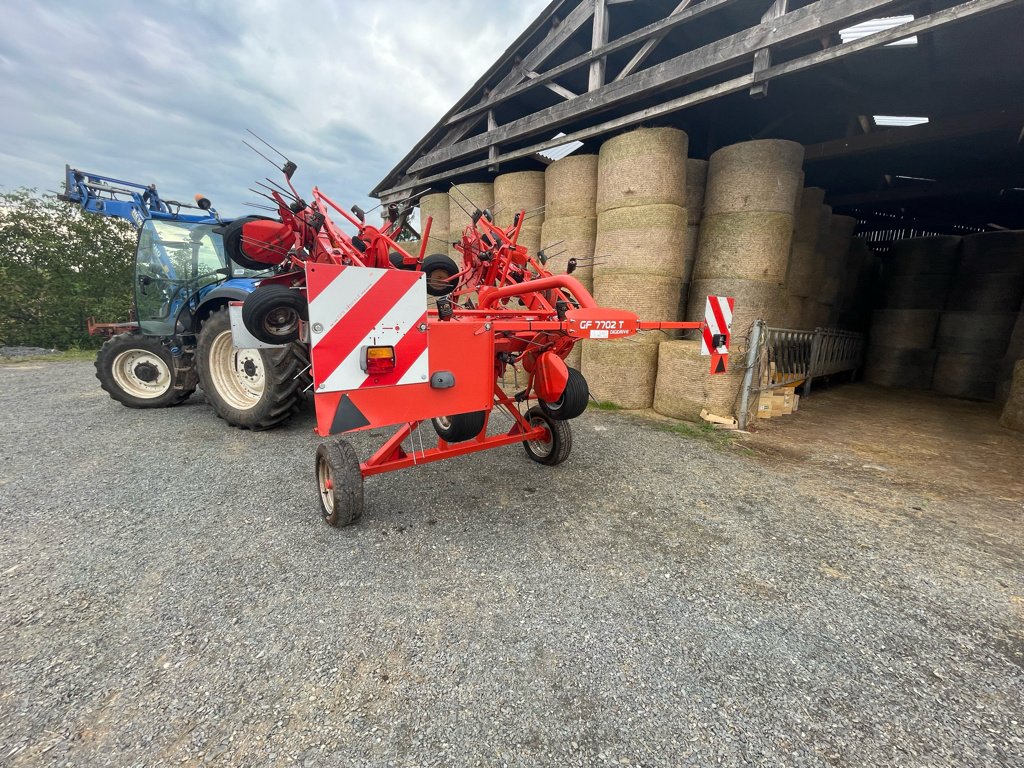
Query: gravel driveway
x=169, y=595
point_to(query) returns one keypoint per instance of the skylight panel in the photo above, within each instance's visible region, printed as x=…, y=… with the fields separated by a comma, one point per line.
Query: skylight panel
x=872, y=26
x=898, y=120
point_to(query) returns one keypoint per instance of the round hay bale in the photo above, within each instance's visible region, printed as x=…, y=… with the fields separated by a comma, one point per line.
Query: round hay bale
x=818, y=314
x=570, y=238
x=807, y=221
x=970, y=376
x=1014, y=352
x=575, y=358
x=836, y=248
x=623, y=372
x=520, y=191
x=830, y=289
x=754, y=301
x=793, y=316
x=530, y=238
x=923, y=256
x=643, y=167
x=916, y=291
x=435, y=205
x=411, y=247
x=685, y=386
x=803, y=270
x=570, y=187
x=472, y=196
x=904, y=328
x=750, y=245
x=975, y=333
x=690, y=244
x=1013, y=411
x=652, y=297
x=645, y=240
x=696, y=183
x=986, y=292
x=754, y=176
x=894, y=367
x=992, y=253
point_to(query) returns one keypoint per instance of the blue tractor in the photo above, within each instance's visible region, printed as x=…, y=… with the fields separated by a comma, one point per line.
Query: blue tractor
x=181, y=337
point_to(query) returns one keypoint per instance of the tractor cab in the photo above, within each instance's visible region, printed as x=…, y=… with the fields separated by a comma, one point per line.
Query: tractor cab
x=175, y=263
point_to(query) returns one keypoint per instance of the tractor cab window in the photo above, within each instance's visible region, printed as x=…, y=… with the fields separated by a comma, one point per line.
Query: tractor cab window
x=174, y=260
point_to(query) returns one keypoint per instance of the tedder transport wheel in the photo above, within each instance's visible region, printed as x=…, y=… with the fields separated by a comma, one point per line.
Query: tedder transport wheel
x=458, y=429
x=556, y=448
x=272, y=313
x=438, y=268
x=248, y=388
x=573, y=401
x=138, y=371
x=340, y=483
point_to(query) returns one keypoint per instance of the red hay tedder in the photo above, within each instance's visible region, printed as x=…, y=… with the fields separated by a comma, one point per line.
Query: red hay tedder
x=382, y=355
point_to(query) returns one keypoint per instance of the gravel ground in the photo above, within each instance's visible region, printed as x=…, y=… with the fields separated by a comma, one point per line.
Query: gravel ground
x=169, y=595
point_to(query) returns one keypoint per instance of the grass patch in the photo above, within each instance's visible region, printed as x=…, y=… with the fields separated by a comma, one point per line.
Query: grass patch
x=603, y=406
x=716, y=438
x=54, y=357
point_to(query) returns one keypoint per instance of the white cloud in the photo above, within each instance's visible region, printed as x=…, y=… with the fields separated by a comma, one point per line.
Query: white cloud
x=164, y=91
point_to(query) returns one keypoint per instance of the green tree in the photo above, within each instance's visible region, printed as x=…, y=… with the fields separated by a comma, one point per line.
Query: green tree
x=59, y=267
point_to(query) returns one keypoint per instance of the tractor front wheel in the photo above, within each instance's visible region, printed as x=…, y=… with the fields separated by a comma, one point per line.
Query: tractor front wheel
x=556, y=448
x=138, y=371
x=340, y=482
x=248, y=388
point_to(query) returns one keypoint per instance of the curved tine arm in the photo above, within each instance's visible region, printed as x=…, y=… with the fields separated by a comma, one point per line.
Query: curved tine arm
x=491, y=296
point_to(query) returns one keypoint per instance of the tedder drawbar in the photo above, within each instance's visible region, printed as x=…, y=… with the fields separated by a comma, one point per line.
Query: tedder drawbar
x=382, y=356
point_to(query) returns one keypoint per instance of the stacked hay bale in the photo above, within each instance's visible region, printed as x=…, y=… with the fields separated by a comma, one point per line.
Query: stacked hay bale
x=902, y=337
x=463, y=199
x=1014, y=353
x=981, y=311
x=1013, y=410
x=569, y=230
x=834, y=259
x=696, y=184
x=522, y=191
x=742, y=251
x=858, y=287
x=641, y=231
x=810, y=225
x=435, y=205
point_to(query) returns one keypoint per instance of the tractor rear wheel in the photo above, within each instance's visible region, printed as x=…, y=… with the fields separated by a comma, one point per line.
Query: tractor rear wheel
x=272, y=313
x=138, y=371
x=557, y=447
x=461, y=427
x=573, y=401
x=248, y=388
x=340, y=483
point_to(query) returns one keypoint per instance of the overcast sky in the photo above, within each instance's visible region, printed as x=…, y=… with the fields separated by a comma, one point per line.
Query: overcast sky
x=163, y=91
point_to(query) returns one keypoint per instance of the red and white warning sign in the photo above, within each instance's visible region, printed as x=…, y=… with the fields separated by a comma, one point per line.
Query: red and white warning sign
x=367, y=327
x=717, y=334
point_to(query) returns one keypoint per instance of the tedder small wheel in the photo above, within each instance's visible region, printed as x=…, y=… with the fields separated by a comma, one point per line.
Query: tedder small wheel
x=232, y=237
x=272, y=313
x=573, y=401
x=138, y=371
x=398, y=261
x=439, y=268
x=461, y=427
x=340, y=482
x=557, y=447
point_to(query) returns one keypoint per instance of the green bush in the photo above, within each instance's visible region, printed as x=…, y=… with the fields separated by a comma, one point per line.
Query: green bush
x=59, y=267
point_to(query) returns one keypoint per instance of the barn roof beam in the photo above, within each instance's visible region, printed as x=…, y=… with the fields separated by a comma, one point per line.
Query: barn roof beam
x=920, y=25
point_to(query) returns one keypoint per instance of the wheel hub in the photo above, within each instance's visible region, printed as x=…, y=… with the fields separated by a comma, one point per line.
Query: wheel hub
x=147, y=372
x=249, y=368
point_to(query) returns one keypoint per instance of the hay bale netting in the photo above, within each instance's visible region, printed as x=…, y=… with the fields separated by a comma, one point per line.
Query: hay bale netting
x=904, y=328
x=992, y=253
x=758, y=176
x=696, y=183
x=652, y=297
x=570, y=187
x=1013, y=411
x=754, y=301
x=750, y=245
x=623, y=372
x=520, y=191
x=643, y=167
x=986, y=292
x=647, y=240
x=462, y=200
x=916, y=291
x=571, y=238
x=923, y=256
x=435, y=205
x=975, y=333
x=893, y=367
x=685, y=386
x=970, y=376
